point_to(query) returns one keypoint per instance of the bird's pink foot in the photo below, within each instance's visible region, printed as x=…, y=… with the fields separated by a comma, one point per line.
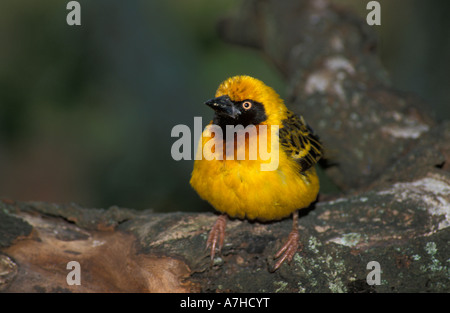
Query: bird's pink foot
x=289, y=249
x=217, y=235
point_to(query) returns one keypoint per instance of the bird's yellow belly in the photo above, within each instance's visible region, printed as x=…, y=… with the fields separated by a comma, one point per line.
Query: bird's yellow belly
x=241, y=189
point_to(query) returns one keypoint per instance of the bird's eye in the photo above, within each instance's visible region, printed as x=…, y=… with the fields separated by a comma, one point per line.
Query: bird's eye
x=246, y=105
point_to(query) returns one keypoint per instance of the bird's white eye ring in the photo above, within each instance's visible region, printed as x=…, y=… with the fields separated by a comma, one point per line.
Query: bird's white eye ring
x=246, y=105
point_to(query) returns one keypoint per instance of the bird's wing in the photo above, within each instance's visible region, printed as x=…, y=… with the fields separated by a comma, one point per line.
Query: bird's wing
x=300, y=142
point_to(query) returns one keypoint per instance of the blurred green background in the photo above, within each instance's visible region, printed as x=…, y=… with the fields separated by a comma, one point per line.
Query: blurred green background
x=86, y=111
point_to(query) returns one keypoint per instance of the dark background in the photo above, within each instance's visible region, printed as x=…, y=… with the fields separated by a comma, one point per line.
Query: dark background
x=86, y=111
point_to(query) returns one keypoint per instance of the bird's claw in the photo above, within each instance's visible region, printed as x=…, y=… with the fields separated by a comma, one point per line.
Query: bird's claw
x=217, y=236
x=288, y=250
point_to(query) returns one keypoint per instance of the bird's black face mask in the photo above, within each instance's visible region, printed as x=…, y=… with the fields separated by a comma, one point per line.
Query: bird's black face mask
x=227, y=112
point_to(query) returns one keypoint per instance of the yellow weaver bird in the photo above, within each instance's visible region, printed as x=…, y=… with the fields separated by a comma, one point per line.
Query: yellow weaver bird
x=238, y=187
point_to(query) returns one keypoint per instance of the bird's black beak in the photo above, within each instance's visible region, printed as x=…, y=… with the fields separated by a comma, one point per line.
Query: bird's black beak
x=224, y=106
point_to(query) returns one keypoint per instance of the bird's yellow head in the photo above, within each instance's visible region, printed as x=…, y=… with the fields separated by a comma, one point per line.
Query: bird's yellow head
x=246, y=100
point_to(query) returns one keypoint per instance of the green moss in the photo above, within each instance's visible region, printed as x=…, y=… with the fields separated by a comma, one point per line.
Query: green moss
x=280, y=285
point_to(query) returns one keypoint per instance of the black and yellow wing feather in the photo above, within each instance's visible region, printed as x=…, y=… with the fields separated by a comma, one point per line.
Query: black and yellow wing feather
x=300, y=142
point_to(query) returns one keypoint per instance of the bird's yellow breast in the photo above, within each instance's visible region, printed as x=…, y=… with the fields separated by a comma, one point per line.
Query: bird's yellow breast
x=241, y=189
